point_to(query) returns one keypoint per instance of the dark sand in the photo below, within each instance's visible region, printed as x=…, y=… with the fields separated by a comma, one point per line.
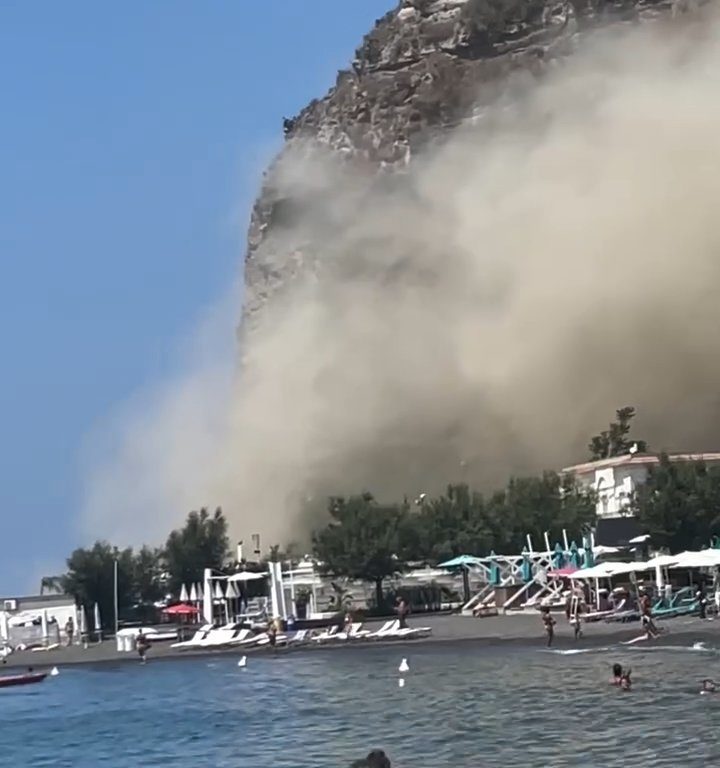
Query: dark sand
x=514, y=629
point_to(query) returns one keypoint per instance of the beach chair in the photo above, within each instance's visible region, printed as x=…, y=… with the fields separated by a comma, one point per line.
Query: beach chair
x=408, y=632
x=285, y=639
x=254, y=640
x=385, y=631
x=219, y=637
x=196, y=639
x=329, y=634
x=239, y=637
x=356, y=632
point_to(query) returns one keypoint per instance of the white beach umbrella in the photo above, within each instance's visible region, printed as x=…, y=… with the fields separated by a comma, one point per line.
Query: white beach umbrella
x=44, y=625
x=83, y=625
x=231, y=592
x=193, y=593
x=200, y=592
x=98, y=623
x=183, y=594
x=218, y=593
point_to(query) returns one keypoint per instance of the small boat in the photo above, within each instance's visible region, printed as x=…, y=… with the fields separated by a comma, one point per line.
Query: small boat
x=25, y=679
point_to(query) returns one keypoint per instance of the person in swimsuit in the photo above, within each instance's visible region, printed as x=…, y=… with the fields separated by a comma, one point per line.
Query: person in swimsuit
x=142, y=644
x=617, y=674
x=646, y=615
x=549, y=624
x=625, y=681
x=708, y=686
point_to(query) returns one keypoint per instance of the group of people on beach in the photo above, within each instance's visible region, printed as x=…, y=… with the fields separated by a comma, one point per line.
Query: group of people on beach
x=575, y=609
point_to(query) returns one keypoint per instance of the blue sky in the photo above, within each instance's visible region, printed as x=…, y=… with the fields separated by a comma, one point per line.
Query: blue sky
x=132, y=139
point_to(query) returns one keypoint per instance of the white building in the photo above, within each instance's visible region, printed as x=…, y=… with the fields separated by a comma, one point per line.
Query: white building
x=616, y=479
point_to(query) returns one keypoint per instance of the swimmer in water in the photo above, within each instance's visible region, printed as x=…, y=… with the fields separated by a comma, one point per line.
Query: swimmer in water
x=625, y=681
x=617, y=674
x=708, y=686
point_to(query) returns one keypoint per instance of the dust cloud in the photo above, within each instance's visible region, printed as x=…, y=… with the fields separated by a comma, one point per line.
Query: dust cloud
x=481, y=315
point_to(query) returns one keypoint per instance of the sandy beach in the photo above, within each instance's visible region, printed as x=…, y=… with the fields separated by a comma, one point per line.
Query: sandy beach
x=516, y=629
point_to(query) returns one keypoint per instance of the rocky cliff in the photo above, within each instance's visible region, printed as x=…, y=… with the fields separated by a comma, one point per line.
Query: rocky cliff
x=426, y=66
x=465, y=257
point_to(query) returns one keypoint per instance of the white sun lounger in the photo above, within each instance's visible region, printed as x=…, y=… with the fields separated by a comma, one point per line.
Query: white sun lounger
x=196, y=639
x=356, y=632
x=329, y=634
x=290, y=639
x=218, y=637
x=385, y=631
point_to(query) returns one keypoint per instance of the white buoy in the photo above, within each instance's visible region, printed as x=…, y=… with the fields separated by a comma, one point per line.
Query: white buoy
x=54, y=672
x=242, y=662
x=404, y=667
x=401, y=683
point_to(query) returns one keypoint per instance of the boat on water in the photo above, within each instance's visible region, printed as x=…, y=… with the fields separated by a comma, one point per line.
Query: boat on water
x=6, y=681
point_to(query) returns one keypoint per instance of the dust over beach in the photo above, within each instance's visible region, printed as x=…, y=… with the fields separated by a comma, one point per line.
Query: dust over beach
x=481, y=315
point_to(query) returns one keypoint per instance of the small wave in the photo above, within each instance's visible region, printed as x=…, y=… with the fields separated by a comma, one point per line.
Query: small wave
x=694, y=648
x=572, y=651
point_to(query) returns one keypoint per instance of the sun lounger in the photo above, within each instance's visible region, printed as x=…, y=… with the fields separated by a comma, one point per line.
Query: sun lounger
x=291, y=638
x=330, y=634
x=385, y=631
x=356, y=632
x=219, y=637
x=195, y=640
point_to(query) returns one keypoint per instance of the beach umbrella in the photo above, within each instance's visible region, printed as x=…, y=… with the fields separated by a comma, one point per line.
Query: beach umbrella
x=200, y=592
x=574, y=559
x=83, y=625
x=459, y=561
x=527, y=569
x=231, y=593
x=184, y=597
x=558, y=557
x=464, y=562
x=218, y=594
x=181, y=609
x=193, y=593
x=98, y=623
x=44, y=625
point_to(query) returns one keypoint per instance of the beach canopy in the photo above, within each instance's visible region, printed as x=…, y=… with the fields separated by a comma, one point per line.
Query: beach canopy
x=181, y=609
x=246, y=576
x=706, y=558
x=606, y=570
x=461, y=560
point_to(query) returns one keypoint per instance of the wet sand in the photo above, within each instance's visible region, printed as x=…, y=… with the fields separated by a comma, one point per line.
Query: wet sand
x=514, y=629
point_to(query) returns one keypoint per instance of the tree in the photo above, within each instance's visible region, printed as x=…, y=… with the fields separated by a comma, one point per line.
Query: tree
x=201, y=543
x=149, y=577
x=615, y=440
x=362, y=540
x=679, y=504
x=90, y=578
x=450, y=525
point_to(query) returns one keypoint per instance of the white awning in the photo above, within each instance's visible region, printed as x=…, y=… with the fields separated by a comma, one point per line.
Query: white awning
x=246, y=576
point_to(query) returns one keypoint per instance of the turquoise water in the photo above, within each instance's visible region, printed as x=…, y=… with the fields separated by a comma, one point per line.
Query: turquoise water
x=460, y=707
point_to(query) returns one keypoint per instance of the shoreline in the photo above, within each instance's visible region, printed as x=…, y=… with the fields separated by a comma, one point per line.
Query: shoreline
x=516, y=631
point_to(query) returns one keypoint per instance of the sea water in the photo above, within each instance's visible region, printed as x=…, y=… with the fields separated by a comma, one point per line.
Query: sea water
x=460, y=707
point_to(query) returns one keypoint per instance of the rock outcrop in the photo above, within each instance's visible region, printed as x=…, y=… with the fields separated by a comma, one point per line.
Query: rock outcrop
x=426, y=66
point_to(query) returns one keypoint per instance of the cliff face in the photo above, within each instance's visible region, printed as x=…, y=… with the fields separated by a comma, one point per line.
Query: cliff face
x=427, y=66
x=466, y=256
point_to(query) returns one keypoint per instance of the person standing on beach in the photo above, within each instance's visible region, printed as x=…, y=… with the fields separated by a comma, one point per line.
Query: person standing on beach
x=573, y=611
x=402, y=611
x=142, y=644
x=549, y=624
x=69, y=630
x=645, y=606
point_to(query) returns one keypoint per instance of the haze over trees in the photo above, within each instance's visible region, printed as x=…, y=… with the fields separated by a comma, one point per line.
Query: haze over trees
x=369, y=540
